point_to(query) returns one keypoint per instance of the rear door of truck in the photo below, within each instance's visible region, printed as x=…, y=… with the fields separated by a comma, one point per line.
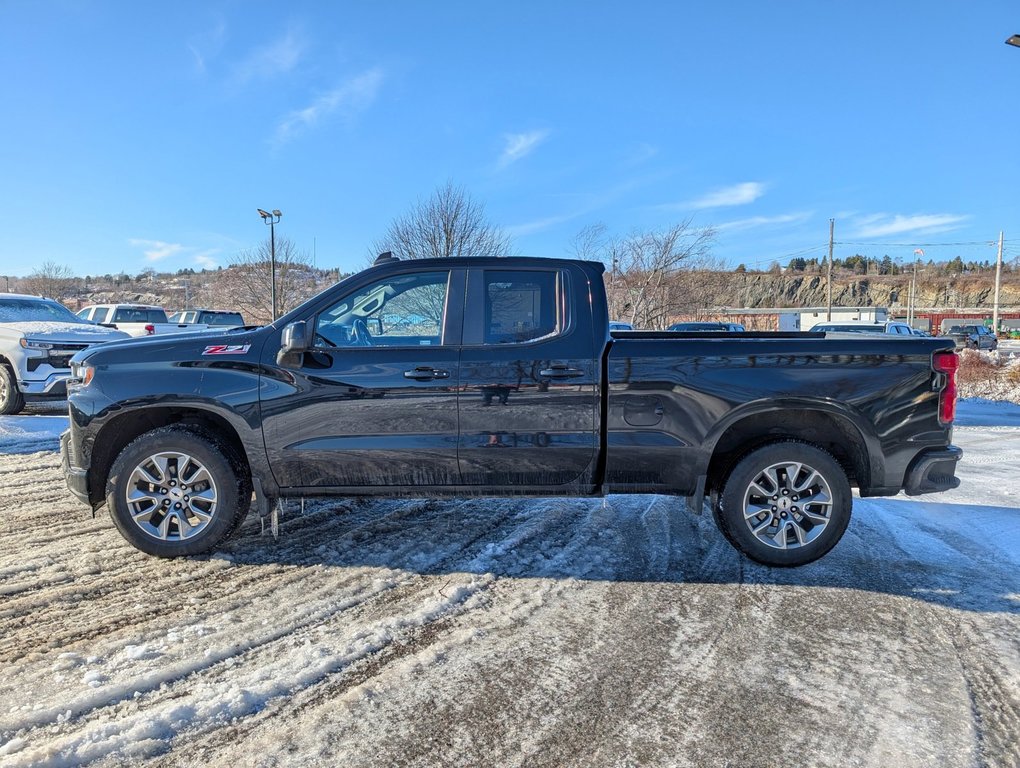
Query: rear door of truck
x=529, y=379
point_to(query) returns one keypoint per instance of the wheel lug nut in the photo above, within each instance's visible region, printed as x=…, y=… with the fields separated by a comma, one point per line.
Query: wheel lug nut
x=178, y=506
x=786, y=492
x=188, y=498
x=774, y=498
x=163, y=491
x=792, y=509
x=775, y=509
x=782, y=515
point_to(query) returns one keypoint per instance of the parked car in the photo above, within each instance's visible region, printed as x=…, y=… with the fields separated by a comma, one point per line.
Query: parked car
x=706, y=326
x=619, y=325
x=135, y=319
x=380, y=386
x=894, y=327
x=220, y=319
x=37, y=339
x=973, y=337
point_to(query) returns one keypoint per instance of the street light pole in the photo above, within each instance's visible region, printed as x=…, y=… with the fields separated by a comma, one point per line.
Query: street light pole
x=272, y=219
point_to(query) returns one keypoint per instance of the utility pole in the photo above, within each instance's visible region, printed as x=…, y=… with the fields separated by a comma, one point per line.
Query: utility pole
x=828, y=311
x=998, y=279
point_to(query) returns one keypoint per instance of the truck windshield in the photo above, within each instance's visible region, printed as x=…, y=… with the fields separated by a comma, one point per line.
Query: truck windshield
x=21, y=310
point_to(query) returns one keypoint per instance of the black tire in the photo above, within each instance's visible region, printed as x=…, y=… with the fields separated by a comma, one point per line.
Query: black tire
x=11, y=399
x=202, y=484
x=785, y=504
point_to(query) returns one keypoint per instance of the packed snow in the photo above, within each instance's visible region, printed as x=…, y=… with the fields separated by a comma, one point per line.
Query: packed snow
x=548, y=632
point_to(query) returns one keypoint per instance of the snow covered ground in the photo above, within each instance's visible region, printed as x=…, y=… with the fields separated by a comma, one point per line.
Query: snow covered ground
x=541, y=632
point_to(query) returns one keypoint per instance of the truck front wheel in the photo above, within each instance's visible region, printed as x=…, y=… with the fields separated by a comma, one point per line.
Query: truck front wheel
x=11, y=399
x=785, y=504
x=177, y=491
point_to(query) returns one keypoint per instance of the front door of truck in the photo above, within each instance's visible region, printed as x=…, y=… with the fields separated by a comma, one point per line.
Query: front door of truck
x=374, y=400
x=529, y=381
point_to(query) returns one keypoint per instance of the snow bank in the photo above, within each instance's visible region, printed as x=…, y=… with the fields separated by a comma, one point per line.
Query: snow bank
x=31, y=434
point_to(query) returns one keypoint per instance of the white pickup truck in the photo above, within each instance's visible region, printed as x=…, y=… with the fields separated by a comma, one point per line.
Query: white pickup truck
x=136, y=319
x=37, y=339
x=218, y=319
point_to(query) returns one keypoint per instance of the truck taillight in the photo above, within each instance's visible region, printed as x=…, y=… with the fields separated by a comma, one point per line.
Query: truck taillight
x=947, y=364
x=150, y=329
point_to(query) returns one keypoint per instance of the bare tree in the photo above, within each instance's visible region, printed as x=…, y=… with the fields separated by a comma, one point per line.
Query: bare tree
x=52, y=280
x=448, y=224
x=246, y=284
x=654, y=275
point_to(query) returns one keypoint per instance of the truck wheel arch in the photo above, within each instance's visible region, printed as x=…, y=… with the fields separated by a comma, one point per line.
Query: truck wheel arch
x=122, y=430
x=833, y=432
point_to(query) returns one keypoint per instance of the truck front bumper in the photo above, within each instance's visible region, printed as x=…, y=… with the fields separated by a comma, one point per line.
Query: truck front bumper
x=933, y=471
x=77, y=479
x=54, y=385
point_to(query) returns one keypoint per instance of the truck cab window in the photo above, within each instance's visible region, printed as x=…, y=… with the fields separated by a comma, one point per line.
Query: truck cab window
x=402, y=310
x=522, y=306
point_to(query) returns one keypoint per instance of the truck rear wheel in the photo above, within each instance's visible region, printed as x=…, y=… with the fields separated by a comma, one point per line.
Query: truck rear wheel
x=11, y=399
x=785, y=504
x=177, y=491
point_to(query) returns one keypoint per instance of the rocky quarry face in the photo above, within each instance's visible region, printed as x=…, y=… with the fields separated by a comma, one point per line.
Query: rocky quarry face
x=809, y=290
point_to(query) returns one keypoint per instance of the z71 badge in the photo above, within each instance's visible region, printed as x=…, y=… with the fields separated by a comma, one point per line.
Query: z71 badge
x=227, y=349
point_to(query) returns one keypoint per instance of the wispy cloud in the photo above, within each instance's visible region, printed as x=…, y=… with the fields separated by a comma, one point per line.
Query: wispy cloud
x=349, y=98
x=539, y=225
x=205, y=259
x=275, y=58
x=639, y=154
x=207, y=44
x=737, y=194
x=519, y=145
x=157, y=250
x=763, y=221
x=884, y=224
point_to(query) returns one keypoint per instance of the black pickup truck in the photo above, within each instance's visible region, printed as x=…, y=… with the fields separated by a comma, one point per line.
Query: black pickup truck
x=500, y=377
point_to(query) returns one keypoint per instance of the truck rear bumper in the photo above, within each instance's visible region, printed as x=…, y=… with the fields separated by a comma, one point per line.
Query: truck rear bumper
x=933, y=471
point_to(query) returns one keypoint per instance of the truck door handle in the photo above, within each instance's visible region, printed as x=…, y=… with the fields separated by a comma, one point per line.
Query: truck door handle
x=560, y=372
x=425, y=373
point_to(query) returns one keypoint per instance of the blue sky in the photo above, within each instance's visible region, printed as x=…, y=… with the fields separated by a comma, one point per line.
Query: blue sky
x=143, y=134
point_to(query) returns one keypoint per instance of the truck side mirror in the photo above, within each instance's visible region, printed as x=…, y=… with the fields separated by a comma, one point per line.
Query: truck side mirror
x=295, y=338
x=293, y=344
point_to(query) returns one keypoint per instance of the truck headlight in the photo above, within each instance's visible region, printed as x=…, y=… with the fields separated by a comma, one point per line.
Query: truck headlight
x=33, y=344
x=81, y=374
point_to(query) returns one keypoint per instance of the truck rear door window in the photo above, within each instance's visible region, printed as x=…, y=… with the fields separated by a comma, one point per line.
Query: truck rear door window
x=522, y=305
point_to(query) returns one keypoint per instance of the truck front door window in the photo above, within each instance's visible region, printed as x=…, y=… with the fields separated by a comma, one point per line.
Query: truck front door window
x=402, y=310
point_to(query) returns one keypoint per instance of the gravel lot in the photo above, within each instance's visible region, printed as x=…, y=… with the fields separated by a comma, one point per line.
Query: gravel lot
x=523, y=632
